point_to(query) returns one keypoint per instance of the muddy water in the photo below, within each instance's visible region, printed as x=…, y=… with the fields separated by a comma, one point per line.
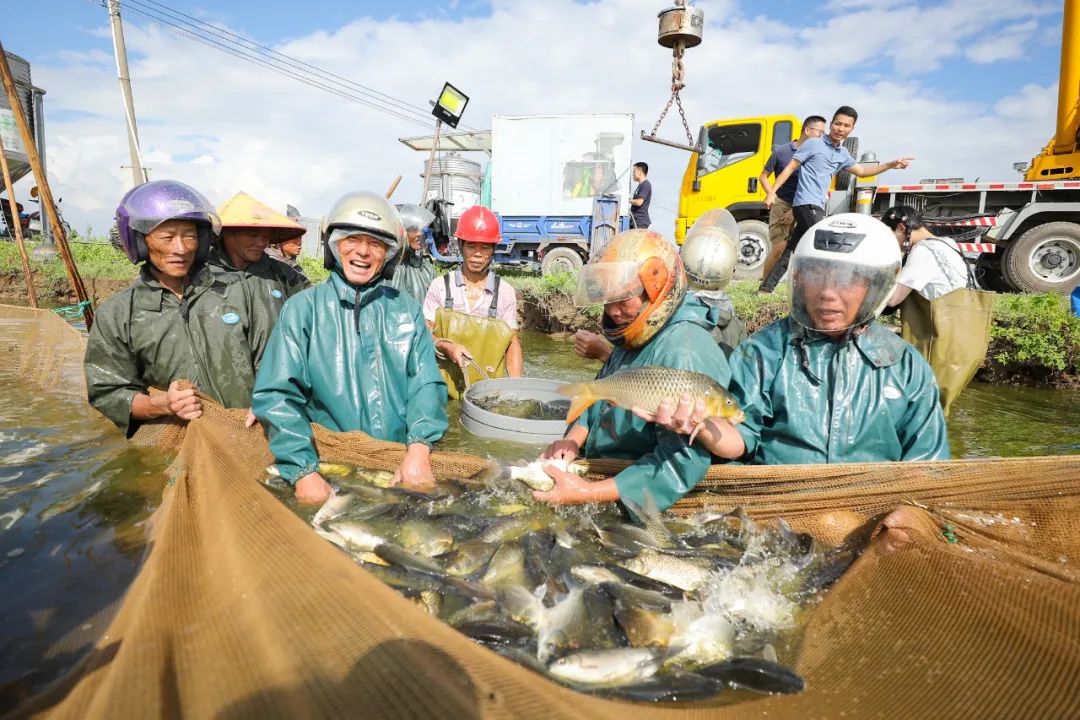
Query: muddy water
x=74, y=499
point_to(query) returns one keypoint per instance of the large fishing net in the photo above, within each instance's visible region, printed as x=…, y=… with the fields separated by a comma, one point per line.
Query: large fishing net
x=964, y=604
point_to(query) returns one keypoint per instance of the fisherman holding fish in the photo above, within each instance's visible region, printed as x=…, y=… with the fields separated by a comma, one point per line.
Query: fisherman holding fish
x=640, y=280
x=178, y=320
x=828, y=383
x=352, y=353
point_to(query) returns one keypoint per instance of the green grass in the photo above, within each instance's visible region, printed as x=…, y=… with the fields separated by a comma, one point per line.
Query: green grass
x=314, y=269
x=1035, y=335
x=96, y=259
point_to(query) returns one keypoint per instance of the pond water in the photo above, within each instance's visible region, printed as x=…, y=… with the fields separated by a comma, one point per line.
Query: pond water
x=74, y=500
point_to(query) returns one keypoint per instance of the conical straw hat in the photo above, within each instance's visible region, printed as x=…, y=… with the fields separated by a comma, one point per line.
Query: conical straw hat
x=244, y=211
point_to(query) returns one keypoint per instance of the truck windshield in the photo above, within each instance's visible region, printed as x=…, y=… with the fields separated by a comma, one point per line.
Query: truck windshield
x=727, y=145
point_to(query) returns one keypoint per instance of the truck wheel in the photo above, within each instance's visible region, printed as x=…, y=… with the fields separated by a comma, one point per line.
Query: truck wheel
x=560, y=259
x=1044, y=259
x=988, y=273
x=754, y=247
x=843, y=178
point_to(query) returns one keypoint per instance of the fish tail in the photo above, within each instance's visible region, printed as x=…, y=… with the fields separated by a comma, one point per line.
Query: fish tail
x=582, y=397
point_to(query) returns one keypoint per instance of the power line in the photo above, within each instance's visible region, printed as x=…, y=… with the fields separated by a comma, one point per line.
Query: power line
x=264, y=57
x=274, y=55
x=258, y=60
x=280, y=60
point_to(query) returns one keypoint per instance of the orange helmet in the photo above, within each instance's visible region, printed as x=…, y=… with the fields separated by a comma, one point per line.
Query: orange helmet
x=635, y=262
x=479, y=225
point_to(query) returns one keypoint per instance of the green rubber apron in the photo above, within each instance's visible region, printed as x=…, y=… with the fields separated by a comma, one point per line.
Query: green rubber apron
x=952, y=332
x=487, y=339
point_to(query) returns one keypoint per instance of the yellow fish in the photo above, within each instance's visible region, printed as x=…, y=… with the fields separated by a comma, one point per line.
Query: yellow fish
x=647, y=387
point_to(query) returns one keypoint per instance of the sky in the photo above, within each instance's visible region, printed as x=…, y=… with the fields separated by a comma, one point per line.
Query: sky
x=966, y=87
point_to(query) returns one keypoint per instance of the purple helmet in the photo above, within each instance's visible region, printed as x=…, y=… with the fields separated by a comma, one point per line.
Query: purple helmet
x=146, y=206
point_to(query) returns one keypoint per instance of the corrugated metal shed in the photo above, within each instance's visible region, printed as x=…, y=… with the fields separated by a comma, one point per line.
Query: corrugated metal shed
x=13, y=147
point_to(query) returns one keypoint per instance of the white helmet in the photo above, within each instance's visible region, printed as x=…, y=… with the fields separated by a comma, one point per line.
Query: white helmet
x=709, y=251
x=414, y=217
x=364, y=212
x=843, y=251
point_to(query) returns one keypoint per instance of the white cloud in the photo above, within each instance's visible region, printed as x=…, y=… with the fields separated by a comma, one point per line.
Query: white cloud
x=224, y=125
x=1008, y=44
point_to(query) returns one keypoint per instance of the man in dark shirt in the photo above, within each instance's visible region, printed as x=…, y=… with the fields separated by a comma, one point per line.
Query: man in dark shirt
x=781, y=219
x=639, y=204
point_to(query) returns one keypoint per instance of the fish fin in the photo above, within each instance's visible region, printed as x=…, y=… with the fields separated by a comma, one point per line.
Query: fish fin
x=582, y=397
x=493, y=472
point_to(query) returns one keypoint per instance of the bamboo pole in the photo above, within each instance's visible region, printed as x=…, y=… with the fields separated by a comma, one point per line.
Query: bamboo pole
x=47, y=204
x=31, y=295
x=393, y=187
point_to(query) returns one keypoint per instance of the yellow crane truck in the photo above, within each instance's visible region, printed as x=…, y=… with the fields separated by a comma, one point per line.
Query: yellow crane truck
x=1022, y=235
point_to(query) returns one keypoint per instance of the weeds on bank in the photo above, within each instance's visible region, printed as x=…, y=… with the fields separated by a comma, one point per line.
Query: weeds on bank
x=1034, y=333
x=314, y=269
x=95, y=258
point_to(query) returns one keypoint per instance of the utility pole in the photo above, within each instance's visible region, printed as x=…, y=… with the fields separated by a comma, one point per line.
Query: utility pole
x=138, y=175
x=430, y=164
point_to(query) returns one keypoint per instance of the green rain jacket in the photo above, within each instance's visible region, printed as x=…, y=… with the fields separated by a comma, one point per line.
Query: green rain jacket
x=348, y=359
x=413, y=275
x=279, y=279
x=665, y=466
x=809, y=399
x=145, y=336
x=727, y=329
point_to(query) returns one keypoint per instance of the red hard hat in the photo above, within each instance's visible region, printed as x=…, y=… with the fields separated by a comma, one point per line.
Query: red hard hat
x=478, y=224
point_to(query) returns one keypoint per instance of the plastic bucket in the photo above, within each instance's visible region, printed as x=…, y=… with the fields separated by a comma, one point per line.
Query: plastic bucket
x=502, y=427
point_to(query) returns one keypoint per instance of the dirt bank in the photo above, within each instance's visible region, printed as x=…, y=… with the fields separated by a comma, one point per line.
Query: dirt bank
x=52, y=292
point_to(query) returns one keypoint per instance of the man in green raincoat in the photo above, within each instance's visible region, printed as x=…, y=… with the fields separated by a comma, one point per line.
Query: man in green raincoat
x=639, y=278
x=248, y=228
x=709, y=255
x=414, y=274
x=828, y=384
x=352, y=353
x=177, y=321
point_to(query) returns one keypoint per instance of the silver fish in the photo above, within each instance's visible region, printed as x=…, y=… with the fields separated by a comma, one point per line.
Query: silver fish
x=563, y=627
x=356, y=535
x=682, y=573
x=608, y=668
x=536, y=478
x=334, y=507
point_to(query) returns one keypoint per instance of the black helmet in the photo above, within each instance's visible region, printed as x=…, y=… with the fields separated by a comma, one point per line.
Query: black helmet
x=905, y=214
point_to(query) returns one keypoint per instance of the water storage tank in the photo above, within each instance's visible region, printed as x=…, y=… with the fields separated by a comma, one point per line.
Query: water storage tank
x=13, y=147
x=455, y=180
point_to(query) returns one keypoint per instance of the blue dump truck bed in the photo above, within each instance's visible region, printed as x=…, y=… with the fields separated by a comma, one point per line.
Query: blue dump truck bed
x=527, y=238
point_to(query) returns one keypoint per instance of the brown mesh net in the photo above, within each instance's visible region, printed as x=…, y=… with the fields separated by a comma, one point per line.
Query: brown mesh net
x=47, y=350
x=240, y=610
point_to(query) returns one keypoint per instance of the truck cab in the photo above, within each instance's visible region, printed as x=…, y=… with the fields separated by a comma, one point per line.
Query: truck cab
x=726, y=175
